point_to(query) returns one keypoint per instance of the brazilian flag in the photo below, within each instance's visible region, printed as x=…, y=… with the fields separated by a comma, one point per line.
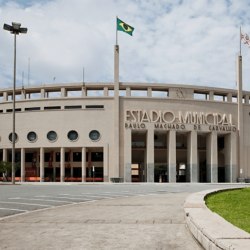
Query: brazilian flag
x=121, y=26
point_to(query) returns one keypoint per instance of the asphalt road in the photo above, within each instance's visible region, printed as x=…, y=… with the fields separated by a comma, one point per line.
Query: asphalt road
x=22, y=198
x=96, y=216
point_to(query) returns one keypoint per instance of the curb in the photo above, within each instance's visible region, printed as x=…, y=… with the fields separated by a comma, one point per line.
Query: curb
x=212, y=231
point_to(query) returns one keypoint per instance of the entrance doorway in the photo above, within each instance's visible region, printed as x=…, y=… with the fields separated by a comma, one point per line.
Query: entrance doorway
x=138, y=170
x=94, y=166
x=160, y=157
x=202, y=157
x=181, y=157
x=221, y=159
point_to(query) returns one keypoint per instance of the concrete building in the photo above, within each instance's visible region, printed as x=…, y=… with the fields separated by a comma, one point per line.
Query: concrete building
x=134, y=132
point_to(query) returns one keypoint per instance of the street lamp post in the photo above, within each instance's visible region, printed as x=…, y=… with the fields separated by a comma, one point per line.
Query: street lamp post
x=15, y=29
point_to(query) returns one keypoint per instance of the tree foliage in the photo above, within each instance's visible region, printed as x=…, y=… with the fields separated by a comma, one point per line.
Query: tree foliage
x=6, y=168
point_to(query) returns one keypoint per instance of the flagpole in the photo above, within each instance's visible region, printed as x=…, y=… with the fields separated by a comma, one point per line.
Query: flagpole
x=116, y=38
x=83, y=74
x=240, y=40
x=240, y=116
x=116, y=160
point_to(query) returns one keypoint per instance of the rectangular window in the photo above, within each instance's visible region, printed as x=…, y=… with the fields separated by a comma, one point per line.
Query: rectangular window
x=48, y=157
x=77, y=156
x=33, y=95
x=218, y=97
x=32, y=108
x=94, y=106
x=17, y=157
x=122, y=92
x=58, y=156
x=28, y=157
x=74, y=93
x=66, y=157
x=160, y=93
x=96, y=156
x=139, y=93
x=200, y=96
x=52, y=107
x=53, y=94
x=95, y=92
x=10, y=110
x=73, y=107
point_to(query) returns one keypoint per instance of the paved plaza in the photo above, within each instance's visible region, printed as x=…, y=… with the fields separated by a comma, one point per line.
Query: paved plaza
x=96, y=216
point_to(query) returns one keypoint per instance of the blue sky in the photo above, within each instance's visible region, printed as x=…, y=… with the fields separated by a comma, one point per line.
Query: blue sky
x=188, y=42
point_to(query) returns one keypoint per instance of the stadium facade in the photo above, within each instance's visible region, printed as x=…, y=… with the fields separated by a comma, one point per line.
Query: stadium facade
x=166, y=133
x=131, y=132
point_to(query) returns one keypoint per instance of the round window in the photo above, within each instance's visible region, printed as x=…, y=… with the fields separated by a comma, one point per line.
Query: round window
x=15, y=136
x=52, y=136
x=72, y=135
x=32, y=136
x=94, y=135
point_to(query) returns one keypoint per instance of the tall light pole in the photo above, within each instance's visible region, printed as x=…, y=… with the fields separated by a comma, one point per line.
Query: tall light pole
x=15, y=29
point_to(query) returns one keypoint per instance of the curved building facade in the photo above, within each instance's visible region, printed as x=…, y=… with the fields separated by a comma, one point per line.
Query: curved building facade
x=134, y=133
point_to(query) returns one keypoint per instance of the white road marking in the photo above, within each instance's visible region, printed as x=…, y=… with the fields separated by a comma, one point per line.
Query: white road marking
x=56, y=197
x=41, y=200
x=13, y=209
x=82, y=195
x=22, y=203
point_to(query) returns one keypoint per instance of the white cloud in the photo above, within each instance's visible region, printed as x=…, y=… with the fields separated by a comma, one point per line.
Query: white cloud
x=193, y=42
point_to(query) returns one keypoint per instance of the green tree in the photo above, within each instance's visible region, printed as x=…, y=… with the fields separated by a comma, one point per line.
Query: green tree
x=6, y=168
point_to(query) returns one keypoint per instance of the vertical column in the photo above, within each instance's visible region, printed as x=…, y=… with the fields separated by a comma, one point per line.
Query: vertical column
x=229, y=97
x=211, y=95
x=149, y=92
x=89, y=164
x=23, y=94
x=83, y=164
x=127, y=155
x=150, y=154
x=241, y=149
x=172, y=156
x=5, y=96
x=106, y=163
x=128, y=91
x=247, y=99
x=227, y=152
x=230, y=157
x=41, y=164
x=212, y=157
x=116, y=147
x=192, y=166
x=233, y=157
x=106, y=91
x=62, y=164
x=42, y=93
x=63, y=92
x=84, y=92
x=22, y=164
x=5, y=154
x=71, y=172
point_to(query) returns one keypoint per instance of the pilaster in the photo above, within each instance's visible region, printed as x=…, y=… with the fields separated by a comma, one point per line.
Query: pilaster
x=62, y=164
x=41, y=164
x=127, y=155
x=150, y=154
x=212, y=157
x=192, y=165
x=22, y=164
x=106, y=163
x=172, y=156
x=83, y=164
